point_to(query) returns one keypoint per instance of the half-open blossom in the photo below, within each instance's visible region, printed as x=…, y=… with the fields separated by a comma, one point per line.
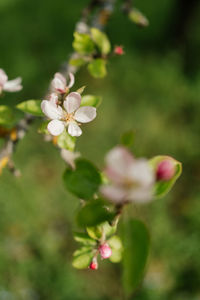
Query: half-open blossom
x=70, y=115
x=69, y=157
x=105, y=251
x=131, y=180
x=59, y=83
x=165, y=170
x=9, y=85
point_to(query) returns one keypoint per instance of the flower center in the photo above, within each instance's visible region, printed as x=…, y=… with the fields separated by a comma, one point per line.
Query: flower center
x=68, y=117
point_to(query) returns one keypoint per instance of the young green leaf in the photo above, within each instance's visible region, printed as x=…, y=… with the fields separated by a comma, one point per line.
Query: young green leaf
x=117, y=249
x=82, y=261
x=66, y=141
x=6, y=115
x=77, y=62
x=161, y=187
x=93, y=213
x=84, y=238
x=138, y=18
x=97, y=68
x=32, y=107
x=83, y=43
x=90, y=100
x=101, y=40
x=84, y=181
x=136, y=248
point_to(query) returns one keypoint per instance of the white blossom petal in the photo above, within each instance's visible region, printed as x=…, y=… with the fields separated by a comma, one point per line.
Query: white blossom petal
x=69, y=157
x=3, y=77
x=71, y=80
x=72, y=102
x=85, y=114
x=51, y=111
x=59, y=83
x=141, y=173
x=54, y=99
x=74, y=129
x=13, y=85
x=118, y=161
x=114, y=193
x=140, y=194
x=56, y=127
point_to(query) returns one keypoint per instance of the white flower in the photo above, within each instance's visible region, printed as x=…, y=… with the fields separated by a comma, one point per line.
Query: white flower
x=69, y=157
x=131, y=179
x=59, y=83
x=11, y=85
x=69, y=116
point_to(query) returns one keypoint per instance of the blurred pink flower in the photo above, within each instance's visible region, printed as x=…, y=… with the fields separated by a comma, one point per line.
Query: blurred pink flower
x=69, y=116
x=131, y=180
x=9, y=85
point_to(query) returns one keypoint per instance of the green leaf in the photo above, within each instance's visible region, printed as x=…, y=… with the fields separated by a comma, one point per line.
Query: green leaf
x=66, y=141
x=104, y=228
x=83, y=43
x=93, y=213
x=94, y=232
x=84, y=238
x=32, y=107
x=161, y=188
x=136, y=249
x=84, y=181
x=77, y=62
x=117, y=248
x=127, y=138
x=6, y=115
x=82, y=261
x=43, y=127
x=97, y=68
x=138, y=18
x=81, y=90
x=90, y=100
x=101, y=40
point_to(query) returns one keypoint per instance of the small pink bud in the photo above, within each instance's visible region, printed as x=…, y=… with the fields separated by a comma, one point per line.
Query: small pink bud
x=105, y=251
x=165, y=170
x=118, y=50
x=94, y=264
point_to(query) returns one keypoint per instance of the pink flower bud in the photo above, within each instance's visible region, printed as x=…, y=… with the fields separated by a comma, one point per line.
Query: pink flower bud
x=165, y=170
x=118, y=50
x=105, y=251
x=94, y=264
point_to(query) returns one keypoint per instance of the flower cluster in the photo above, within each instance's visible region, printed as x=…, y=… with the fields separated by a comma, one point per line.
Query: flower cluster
x=131, y=180
x=64, y=109
x=9, y=85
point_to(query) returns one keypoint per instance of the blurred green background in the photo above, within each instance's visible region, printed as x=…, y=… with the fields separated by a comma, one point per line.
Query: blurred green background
x=153, y=89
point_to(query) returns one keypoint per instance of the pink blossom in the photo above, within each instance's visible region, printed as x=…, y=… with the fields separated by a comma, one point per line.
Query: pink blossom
x=165, y=170
x=70, y=115
x=94, y=264
x=131, y=180
x=59, y=83
x=105, y=251
x=9, y=85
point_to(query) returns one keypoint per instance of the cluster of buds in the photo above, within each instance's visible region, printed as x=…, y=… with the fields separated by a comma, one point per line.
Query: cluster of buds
x=63, y=108
x=105, y=252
